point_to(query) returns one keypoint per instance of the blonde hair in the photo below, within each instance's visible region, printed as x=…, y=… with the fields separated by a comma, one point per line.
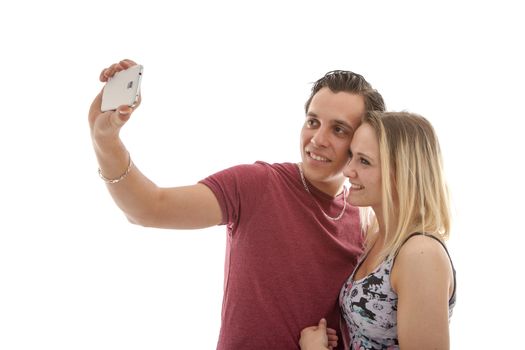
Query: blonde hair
x=414, y=192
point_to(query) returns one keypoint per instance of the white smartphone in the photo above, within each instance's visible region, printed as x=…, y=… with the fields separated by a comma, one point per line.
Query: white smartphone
x=122, y=89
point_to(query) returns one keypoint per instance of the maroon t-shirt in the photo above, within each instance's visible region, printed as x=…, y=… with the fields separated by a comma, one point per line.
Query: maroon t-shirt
x=285, y=261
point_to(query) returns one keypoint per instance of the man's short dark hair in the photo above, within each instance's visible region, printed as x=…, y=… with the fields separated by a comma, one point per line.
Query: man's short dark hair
x=347, y=81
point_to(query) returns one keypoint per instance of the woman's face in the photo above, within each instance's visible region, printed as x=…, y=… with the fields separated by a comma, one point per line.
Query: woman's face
x=364, y=169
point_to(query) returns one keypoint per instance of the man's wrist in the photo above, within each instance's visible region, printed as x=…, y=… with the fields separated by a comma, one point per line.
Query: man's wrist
x=119, y=178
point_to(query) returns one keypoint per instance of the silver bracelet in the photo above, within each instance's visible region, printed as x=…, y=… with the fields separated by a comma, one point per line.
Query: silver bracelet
x=121, y=177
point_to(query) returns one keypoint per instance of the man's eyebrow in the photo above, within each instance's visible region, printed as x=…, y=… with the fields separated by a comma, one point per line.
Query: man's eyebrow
x=311, y=114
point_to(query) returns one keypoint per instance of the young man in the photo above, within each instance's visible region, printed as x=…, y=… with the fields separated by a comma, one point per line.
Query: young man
x=292, y=238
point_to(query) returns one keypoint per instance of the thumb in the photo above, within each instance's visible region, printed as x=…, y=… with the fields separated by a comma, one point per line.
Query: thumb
x=121, y=115
x=322, y=324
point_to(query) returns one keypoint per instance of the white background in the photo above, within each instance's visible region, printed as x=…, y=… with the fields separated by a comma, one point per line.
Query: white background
x=225, y=83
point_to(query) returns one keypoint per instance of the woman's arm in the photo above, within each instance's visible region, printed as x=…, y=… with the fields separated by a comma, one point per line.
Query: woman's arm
x=423, y=279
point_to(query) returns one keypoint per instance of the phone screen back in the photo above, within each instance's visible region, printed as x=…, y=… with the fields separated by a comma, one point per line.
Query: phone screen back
x=122, y=89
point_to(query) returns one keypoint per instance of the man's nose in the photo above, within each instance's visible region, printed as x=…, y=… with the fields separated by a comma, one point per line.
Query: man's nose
x=320, y=139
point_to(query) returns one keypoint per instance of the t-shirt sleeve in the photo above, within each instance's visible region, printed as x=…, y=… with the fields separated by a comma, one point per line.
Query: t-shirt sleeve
x=237, y=188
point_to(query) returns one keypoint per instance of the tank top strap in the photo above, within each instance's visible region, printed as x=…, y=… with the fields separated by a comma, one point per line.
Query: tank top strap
x=453, y=297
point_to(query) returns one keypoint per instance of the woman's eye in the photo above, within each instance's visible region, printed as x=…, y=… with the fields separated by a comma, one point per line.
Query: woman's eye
x=364, y=161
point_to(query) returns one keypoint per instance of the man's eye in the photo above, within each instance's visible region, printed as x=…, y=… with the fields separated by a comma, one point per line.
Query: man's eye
x=339, y=130
x=311, y=122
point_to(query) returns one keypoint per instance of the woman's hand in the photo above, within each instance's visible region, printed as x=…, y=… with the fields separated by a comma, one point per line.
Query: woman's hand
x=318, y=337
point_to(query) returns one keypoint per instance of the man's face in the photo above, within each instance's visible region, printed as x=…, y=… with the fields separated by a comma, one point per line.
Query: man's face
x=330, y=122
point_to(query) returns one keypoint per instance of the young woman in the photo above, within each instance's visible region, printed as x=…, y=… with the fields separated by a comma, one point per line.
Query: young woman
x=402, y=291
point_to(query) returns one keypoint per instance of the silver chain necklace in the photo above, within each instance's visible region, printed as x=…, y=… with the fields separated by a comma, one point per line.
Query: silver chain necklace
x=299, y=165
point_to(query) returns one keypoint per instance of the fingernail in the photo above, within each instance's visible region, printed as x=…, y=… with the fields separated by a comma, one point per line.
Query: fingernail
x=123, y=115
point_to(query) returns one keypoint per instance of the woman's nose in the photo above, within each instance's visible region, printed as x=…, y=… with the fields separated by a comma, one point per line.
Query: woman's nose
x=349, y=169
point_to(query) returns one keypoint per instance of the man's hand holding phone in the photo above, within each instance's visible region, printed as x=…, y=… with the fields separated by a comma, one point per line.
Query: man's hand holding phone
x=118, y=99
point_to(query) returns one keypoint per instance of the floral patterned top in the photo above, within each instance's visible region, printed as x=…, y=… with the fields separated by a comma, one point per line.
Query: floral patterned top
x=369, y=307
